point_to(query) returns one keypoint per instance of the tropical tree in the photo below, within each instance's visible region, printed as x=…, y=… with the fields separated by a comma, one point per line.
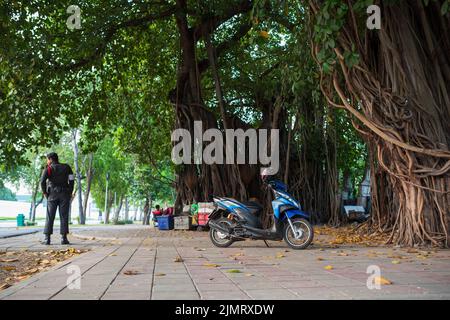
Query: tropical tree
x=393, y=84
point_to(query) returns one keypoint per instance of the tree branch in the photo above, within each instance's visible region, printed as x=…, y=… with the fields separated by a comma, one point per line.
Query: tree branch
x=101, y=48
x=226, y=45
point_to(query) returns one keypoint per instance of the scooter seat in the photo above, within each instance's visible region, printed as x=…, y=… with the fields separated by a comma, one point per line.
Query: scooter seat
x=254, y=207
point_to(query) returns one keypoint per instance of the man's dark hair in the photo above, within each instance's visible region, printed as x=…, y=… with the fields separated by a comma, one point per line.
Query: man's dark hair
x=157, y=206
x=53, y=156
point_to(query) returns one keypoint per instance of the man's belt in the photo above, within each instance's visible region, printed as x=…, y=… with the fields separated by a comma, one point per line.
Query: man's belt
x=58, y=189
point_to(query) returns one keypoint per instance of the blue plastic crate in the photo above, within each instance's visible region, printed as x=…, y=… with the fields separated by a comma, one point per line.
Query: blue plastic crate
x=165, y=222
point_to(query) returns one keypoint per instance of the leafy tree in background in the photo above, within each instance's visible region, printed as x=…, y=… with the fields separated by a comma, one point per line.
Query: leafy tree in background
x=29, y=175
x=6, y=193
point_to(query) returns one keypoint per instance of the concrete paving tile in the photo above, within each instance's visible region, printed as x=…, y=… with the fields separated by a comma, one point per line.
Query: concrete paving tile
x=272, y=294
x=127, y=296
x=301, y=284
x=224, y=295
x=259, y=285
x=173, y=288
x=178, y=295
x=202, y=287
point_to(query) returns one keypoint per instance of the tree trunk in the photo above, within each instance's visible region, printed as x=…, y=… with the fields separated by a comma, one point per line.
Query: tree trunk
x=78, y=176
x=108, y=209
x=33, y=204
x=118, y=209
x=399, y=98
x=89, y=175
x=127, y=209
x=146, y=211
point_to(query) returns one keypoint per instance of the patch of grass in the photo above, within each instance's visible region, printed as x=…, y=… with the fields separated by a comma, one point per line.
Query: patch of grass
x=122, y=222
x=234, y=271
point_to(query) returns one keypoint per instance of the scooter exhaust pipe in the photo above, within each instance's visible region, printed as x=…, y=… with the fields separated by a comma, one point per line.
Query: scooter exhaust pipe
x=218, y=227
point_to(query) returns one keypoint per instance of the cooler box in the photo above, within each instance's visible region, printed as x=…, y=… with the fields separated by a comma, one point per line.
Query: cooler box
x=165, y=222
x=187, y=209
x=206, y=207
x=182, y=222
x=202, y=219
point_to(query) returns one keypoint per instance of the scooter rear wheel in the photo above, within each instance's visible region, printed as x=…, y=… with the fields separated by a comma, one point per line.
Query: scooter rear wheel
x=218, y=238
x=303, y=241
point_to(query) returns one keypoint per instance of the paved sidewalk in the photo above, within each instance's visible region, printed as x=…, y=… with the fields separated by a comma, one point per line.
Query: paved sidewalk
x=136, y=262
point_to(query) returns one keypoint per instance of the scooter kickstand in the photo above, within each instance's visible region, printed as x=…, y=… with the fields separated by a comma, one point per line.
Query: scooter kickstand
x=266, y=243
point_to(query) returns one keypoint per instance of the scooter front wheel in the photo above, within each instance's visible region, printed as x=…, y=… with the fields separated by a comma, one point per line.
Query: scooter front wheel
x=218, y=238
x=302, y=235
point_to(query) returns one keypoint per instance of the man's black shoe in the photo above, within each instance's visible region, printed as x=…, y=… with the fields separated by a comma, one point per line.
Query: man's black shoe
x=64, y=240
x=46, y=241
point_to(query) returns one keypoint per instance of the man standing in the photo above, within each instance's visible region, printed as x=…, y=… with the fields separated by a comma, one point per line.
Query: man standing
x=57, y=183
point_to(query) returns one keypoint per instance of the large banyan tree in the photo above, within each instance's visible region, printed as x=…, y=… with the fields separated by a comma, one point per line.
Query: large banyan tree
x=394, y=82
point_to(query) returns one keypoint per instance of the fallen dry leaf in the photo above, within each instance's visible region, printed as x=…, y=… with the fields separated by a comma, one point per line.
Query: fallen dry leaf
x=4, y=286
x=320, y=259
x=8, y=268
x=395, y=262
x=160, y=274
x=33, y=270
x=130, y=272
x=328, y=267
x=178, y=259
x=382, y=281
x=9, y=260
x=211, y=265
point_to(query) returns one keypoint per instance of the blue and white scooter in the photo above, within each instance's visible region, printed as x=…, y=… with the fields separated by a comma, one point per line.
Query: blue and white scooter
x=234, y=221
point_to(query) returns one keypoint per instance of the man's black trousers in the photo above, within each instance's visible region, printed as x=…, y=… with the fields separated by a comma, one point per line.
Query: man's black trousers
x=57, y=200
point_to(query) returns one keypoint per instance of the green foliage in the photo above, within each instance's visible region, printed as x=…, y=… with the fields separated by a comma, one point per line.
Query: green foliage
x=351, y=151
x=445, y=8
x=122, y=222
x=6, y=193
x=108, y=161
x=328, y=23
